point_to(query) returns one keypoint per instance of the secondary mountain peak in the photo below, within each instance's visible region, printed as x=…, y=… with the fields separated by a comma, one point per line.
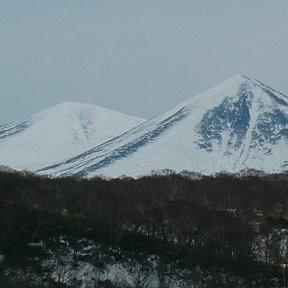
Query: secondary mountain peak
x=59, y=132
x=70, y=107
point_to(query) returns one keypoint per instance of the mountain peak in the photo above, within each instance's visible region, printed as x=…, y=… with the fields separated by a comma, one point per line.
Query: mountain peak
x=239, y=77
x=238, y=80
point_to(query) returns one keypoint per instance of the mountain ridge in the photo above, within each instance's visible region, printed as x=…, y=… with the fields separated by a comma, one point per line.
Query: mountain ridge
x=233, y=126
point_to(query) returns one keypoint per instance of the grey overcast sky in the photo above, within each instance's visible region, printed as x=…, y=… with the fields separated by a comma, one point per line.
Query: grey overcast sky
x=137, y=57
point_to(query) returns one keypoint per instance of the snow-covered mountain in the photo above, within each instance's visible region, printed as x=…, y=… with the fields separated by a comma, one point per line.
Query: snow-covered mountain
x=60, y=132
x=239, y=124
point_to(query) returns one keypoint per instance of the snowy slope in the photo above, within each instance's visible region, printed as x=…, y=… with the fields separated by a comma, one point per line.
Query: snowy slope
x=239, y=124
x=59, y=132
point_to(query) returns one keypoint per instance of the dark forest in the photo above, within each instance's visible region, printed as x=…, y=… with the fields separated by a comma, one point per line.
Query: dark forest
x=212, y=231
